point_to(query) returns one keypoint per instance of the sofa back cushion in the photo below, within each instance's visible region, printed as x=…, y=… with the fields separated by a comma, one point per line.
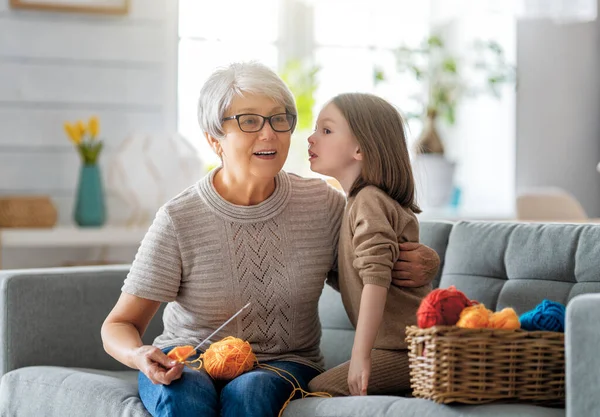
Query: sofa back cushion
x=520, y=264
x=53, y=316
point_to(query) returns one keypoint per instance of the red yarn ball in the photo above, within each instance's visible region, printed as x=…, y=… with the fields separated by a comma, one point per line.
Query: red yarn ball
x=442, y=307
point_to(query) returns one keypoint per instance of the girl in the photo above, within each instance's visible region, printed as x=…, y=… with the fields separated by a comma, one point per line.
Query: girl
x=360, y=141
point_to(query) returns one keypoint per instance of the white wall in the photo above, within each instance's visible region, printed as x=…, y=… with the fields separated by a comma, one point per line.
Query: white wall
x=56, y=67
x=558, y=109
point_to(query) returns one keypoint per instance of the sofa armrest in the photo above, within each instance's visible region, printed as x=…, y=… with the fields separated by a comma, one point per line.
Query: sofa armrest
x=53, y=316
x=582, y=339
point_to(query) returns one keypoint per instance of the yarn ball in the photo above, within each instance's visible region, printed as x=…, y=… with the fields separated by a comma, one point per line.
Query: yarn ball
x=474, y=317
x=506, y=319
x=228, y=358
x=442, y=307
x=548, y=315
x=181, y=353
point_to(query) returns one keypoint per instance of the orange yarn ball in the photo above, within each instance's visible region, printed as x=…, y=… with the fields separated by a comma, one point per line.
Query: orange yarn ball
x=474, y=317
x=228, y=358
x=505, y=319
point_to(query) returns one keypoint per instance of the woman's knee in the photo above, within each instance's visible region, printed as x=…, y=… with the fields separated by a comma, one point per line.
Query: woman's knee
x=255, y=383
x=193, y=394
x=258, y=393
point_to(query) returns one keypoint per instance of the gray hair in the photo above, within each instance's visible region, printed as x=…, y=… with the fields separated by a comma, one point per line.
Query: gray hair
x=226, y=83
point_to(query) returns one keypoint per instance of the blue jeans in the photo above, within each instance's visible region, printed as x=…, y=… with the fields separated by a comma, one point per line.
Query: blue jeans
x=257, y=393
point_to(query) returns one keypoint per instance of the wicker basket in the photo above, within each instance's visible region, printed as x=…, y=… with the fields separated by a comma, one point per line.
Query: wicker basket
x=27, y=211
x=475, y=366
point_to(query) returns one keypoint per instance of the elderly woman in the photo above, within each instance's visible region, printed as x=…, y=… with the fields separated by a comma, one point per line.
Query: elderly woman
x=246, y=232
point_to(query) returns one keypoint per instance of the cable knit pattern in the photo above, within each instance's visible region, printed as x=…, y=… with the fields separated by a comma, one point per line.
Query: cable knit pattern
x=262, y=277
x=207, y=258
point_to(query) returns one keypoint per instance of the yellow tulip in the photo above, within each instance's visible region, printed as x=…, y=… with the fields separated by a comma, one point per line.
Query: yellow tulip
x=73, y=133
x=81, y=128
x=93, y=126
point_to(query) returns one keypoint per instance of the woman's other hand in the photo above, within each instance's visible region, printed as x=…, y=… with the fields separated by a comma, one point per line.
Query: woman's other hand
x=157, y=366
x=122, y=338
x=417, y=265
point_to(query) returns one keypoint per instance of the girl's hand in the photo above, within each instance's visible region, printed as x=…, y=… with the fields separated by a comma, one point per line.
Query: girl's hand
x=157, y=366
x=358, y=374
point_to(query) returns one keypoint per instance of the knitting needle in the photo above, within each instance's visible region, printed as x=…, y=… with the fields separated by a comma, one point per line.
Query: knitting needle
x=215, y=332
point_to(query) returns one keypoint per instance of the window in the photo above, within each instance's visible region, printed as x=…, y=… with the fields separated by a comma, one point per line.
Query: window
x=348, y=48
x=347, y=39
x=210, y=36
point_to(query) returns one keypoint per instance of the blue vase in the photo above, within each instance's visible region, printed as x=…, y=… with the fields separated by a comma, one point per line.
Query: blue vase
x=89, y=206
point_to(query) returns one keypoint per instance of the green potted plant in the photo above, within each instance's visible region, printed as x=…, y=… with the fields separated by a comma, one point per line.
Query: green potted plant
x=447, y=79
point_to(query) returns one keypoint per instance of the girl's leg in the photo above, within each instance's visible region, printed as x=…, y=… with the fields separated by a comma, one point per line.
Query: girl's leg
x=194, y=394
x=261, y=392
x=390, y=375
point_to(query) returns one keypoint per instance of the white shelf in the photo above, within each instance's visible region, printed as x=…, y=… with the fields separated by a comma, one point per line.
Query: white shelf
x=66, y=236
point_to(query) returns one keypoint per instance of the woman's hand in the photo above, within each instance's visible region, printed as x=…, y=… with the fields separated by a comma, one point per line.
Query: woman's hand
x=157, y=366
x=416, y=265
x=358, y=374
x=122, y=338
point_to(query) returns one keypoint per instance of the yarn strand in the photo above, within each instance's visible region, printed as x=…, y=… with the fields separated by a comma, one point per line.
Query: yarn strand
x=297, y=387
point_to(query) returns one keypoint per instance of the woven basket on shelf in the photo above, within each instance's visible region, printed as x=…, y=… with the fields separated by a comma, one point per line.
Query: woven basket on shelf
x=475, y=366
x=27, y=211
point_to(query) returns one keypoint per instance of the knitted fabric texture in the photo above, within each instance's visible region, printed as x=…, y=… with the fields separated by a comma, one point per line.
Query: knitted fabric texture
x=207, y=258
x=372, y=226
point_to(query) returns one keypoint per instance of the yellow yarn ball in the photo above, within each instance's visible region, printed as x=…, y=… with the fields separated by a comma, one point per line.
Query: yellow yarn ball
x=505, y=319
x=228, y=358
x=474, y=317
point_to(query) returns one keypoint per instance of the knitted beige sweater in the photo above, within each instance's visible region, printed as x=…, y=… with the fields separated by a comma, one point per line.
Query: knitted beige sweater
x=372, y=225
x=207, y=258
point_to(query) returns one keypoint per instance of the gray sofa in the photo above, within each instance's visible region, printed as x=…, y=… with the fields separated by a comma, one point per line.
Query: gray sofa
x=52, y=362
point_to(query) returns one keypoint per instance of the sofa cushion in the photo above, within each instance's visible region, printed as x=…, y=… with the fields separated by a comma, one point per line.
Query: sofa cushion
x=519, y=264
x=74, y=392
x=435, y=235
x=58, y=392
x=337, y=334
x=63, y=308
x=384, y=406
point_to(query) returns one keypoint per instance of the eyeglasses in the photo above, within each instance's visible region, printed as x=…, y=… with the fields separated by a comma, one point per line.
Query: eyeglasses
x=250, y=123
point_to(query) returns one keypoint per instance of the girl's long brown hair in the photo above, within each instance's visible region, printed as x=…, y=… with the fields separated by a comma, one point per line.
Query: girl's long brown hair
x=380, y=131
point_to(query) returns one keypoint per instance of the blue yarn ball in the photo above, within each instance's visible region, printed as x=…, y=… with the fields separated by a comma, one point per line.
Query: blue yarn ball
x=548, y=315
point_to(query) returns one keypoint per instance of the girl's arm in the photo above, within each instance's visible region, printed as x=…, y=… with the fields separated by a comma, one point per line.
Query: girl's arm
x=372, y=304
x=374, y=220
